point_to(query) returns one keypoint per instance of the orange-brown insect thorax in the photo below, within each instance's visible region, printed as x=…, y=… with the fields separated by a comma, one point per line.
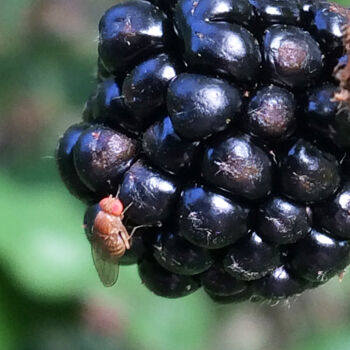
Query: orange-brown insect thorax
x=104, y=223
x=112, y=206
x=111, y=234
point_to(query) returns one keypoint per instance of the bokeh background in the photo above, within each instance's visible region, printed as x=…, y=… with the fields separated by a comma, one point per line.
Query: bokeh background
x=50, y=296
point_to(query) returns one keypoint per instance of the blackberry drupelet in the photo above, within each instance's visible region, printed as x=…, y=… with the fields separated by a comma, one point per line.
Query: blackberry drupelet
x=165, y=148
x=281, y=221
x=318, y=257
x=309, y=175
x=200, y=106
x=271, y=113
x=334, y=216
x=251, y=258
x=65, y=162
x=177, y=255
x=280, y=284
x=224, y=129
x=163, y=282
x=151, y=194
x=292, y=56
x=210, y=220
x=216, y=281
x=143, y=88
x=236, y=164
x=101, y=156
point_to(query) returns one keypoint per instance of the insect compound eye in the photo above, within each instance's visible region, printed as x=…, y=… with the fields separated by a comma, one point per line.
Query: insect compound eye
x=117, y=207
x=112, y=206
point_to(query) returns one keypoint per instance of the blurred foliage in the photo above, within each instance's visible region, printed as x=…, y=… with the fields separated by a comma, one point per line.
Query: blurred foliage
x=50, y=297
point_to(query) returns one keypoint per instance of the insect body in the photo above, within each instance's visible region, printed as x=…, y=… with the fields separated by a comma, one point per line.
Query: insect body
x=110, y=240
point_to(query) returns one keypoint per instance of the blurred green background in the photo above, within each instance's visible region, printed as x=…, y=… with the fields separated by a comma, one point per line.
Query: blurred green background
x=50, y=297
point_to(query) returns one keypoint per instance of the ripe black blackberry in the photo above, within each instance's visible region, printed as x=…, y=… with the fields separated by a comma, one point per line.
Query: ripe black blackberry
x=223, y=126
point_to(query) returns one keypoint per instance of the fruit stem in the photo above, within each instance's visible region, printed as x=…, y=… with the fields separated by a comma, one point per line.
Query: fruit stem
x=342, y=70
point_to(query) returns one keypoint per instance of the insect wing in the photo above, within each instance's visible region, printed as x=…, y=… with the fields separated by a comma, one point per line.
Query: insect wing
x=107, y=270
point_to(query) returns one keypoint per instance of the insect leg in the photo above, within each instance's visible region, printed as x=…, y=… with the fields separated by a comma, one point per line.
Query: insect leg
x=127, y=208
x=125, y=238
x=136, y=228
x=118, y=192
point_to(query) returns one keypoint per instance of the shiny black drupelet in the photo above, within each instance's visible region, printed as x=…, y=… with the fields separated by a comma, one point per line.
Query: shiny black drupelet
x=211, y=220
x=166, y=150
x=221, y=127
x=236, y=164
x=318, y=257
x=217, y=282
x=334, y=216
x=101, y=156
x=251, y=258
x=282, y=221
x=65, y=162
x=200, y=106
x=177, y=255
x=165, y=283
x=271, y=114
x=308, y=174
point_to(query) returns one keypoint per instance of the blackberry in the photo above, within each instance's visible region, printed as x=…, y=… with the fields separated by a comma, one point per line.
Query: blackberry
x=129, y=32
x=319, y=107
x=165, y=283
x=276, y=11
x=308, y=174
x=65, y=162
x=215, y=148
x=143, y=89
x=279, y=284
x=223, y=47
x=217, y=282
x=271, y=113
x=165, y=148
x=246, y=295
x=177, y=255
x=328, y=23
x=251, y=258
x=200, y=106
x=239, y=166
x=283, y=222
x=200, y=211
x=106, y=106
x=325, y=118
x=151, y=194
x=319, y=257
x=101, y=156
x=334, y=217
x=239, y=11
x=293, y=57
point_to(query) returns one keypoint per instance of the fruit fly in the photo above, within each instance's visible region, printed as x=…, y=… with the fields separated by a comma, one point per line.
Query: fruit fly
x=110, y=240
